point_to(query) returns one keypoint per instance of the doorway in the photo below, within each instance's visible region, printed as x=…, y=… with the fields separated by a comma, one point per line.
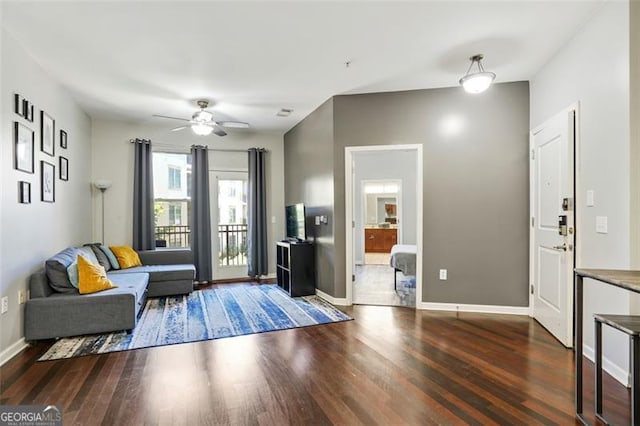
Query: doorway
x=553, y=231
x=228, y=198
x=383, y=204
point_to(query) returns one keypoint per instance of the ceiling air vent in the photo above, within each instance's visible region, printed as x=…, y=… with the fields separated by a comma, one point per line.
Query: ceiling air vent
x=284, y=112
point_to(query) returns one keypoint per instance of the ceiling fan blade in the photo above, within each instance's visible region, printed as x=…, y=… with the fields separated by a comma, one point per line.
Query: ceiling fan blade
x=175, y=129
x=218, y=131
x=172, y=118
x=234, y=124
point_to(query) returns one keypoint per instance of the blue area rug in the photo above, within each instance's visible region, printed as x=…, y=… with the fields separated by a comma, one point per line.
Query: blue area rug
x=233, y=310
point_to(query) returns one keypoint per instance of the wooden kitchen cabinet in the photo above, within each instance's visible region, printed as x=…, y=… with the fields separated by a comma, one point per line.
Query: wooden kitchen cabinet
x=380, y=240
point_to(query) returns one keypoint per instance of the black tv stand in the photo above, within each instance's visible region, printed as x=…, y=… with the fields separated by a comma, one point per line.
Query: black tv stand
x=295, y=269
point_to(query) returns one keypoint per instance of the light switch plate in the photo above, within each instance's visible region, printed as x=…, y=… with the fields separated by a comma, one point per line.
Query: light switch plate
x=317, y=220
x=443, y=274
x=590, y=198
x=602, y=225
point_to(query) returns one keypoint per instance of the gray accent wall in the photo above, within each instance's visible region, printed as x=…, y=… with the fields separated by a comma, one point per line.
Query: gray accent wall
x=476, y=171
x=308, y=176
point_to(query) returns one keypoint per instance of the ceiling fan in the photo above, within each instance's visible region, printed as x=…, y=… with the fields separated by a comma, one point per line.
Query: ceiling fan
x=202, y=123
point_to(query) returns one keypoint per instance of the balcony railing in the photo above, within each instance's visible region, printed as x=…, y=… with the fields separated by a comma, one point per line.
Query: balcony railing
x=232, y=241
x=173, y=236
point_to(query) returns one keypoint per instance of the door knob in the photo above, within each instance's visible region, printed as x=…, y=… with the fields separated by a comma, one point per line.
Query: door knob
x=563, y=247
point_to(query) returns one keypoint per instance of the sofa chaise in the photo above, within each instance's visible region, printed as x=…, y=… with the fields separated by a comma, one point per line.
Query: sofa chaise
x=50, y=313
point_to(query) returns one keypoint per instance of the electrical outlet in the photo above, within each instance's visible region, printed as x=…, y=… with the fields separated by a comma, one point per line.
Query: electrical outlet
x=443, y=274
x=21, y=297
x=5, y=304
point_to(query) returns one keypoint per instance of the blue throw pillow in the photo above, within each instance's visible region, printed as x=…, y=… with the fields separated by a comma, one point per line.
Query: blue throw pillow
x=112, y=257
x=72, y=270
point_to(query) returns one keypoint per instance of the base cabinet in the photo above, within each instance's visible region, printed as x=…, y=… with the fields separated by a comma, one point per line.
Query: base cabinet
x=295, y=268
x=379, y=240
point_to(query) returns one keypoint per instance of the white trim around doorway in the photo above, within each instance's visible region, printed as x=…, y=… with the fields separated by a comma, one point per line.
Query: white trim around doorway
x=349, y=218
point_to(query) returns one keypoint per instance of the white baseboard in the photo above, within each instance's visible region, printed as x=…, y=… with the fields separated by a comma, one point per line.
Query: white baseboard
x=485, y=309
x=617, y=372
x=338, y=301
x=12, y=351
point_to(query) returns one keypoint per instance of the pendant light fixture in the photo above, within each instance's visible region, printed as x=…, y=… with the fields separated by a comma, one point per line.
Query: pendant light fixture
x=479, y=81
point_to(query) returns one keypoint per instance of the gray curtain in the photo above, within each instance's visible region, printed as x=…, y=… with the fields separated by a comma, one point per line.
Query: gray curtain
x=143, y=222
x=200, y=217
x=257, y=214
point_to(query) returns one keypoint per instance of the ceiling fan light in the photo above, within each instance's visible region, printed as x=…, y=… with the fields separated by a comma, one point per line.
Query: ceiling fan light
x=477, y=82
x=201, y=129
x=203, y=116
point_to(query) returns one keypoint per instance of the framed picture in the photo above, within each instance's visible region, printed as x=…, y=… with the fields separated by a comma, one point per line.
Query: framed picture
x=28, y=110
x=47, y=182
x=63, y=139
x=19, y=102
x=24, y=192
x=24, y=141
x=47, y=133
x=64, y=168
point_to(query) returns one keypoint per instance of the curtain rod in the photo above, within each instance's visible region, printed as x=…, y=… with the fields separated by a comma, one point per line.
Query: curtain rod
x=161, y=145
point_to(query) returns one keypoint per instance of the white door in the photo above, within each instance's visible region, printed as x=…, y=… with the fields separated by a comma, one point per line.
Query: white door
x=552, y=165
x=228, y=198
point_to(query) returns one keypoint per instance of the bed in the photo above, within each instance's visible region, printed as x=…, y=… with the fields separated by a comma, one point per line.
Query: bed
x=403, y=259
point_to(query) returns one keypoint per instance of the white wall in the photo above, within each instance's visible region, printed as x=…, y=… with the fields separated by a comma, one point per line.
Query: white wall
x=593, y=68
x=33, y=232
x=113, y=160
x=378, y=165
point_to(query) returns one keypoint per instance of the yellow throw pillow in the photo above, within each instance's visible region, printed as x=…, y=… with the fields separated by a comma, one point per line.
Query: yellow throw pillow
x=127, y=257
x=92, y=278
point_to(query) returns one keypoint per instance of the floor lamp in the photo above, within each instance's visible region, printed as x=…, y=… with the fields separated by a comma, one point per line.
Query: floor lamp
x=102, y=185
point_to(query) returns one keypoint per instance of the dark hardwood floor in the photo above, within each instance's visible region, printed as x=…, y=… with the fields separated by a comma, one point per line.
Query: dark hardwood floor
x=389, y=366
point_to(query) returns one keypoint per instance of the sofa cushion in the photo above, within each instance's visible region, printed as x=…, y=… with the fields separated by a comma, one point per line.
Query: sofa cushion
x=56, y=270
x=135, y=284
x=128, y=283
x=92, y=277
x=161, y=272
x=112, y=257
x=103, y=260
x=72, y=270
x=88, y=254
x=127, y=256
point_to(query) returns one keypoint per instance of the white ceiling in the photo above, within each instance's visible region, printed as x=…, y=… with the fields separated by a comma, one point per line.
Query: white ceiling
x=129, y=60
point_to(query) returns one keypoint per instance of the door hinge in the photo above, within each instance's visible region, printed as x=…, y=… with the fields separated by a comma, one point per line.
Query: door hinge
x=353, y=277
x=353, y=223
x=533, y=221
x=531, y=288
x=533, y=154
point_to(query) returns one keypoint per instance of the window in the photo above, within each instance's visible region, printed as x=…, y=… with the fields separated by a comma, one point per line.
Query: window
x=172, y=203
x=175, y=178
x=175, y=214
x=232, y=191
x=232, y=214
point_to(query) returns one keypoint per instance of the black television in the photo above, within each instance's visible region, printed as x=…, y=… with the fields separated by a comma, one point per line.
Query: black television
x=296, y=229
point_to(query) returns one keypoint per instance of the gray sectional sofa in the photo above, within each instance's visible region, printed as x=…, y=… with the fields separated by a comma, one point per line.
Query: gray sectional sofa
x=51, y=313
